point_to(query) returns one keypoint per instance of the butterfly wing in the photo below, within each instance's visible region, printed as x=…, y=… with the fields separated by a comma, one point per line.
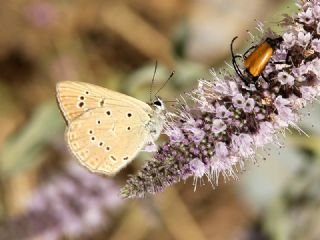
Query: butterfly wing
x=75, y=98
x=105, y=142
x=106, y=129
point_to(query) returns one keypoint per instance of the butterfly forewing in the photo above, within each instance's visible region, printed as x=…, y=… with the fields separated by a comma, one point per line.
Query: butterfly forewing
x=75, y=98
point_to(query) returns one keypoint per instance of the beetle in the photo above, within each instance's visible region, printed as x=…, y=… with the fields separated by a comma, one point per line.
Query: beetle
x=257, y=60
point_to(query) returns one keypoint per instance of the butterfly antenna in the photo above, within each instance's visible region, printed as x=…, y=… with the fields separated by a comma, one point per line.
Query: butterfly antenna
x=170, y=101
x=152, y=81
x=165, y=83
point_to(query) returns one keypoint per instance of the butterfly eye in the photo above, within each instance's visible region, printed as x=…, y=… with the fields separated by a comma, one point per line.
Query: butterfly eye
x=157, y=103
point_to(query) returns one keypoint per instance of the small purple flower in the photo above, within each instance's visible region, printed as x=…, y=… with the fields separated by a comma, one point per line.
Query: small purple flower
x=281, y=102
x=221, y=150
x=309, y=93
x=197, y=134
x=221, y=87
x=234, y=89
x=306, y=17
x=300, y=71
x=175, y=134
x=280, y=54
x=242, y=144
x=197, y=167
x=236, y=123
x=218, y=126
x=249, y=105
x=269, y=69
x=285, y=78
x=315, y=67
x=225, y=87
x=304, y=38
x=289, y=39
x=315, y=44
x=316, y=11
x=260, y=116
x=238, y=101
x=304, y=5
x=69, y=205
x=265, y=134
x=286, y=114
x=222, y=112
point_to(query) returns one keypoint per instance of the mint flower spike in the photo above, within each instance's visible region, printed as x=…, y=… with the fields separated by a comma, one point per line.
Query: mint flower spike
x=225, y=121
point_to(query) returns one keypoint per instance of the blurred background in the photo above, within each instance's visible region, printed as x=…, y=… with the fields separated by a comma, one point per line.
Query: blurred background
x=45, y=194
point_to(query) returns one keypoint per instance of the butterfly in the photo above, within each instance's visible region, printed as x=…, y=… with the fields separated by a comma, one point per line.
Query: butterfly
x=107, y=129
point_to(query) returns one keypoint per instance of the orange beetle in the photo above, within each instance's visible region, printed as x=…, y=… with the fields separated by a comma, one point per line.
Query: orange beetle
x=257, y=60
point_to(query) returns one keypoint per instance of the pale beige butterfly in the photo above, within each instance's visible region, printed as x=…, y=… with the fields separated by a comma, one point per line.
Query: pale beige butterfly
x=107, y=129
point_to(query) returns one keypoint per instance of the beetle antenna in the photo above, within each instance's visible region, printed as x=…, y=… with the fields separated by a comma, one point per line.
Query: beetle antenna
x=152, y=81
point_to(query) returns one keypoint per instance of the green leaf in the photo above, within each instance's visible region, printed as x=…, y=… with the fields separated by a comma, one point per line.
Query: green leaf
x=23, y=150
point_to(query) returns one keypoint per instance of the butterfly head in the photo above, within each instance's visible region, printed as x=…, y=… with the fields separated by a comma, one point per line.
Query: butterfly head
x=158, y=104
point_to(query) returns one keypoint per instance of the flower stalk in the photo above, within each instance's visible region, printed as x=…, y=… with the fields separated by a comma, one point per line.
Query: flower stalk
x=219, y=126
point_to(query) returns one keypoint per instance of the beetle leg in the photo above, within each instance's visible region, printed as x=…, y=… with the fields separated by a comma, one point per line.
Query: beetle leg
x=264, y=77
x=245, y=54
x=238, y=56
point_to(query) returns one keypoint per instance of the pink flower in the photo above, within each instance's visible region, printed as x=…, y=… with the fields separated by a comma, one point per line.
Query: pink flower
x=242, y=144
x=223, y=112
x=316, y=11
x=289, y=39
x=238, y=101
x=285, y=78
x=308, y=93
x=306, y=17
x=315, y=44
x=249, y=105
x=221, y=150
x=218, y=126
x=197, y=167
x=175, y=134
x=265, y=134
x=304, y=38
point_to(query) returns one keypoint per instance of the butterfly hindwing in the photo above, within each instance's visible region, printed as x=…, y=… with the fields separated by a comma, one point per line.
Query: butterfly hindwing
x=107, y=139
